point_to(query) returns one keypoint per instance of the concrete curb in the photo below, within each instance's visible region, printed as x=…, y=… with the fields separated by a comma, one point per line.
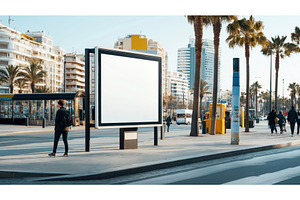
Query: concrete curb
x=168, y=164
x=9, y=174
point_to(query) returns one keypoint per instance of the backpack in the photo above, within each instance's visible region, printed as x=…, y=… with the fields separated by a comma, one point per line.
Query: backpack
x=66, y=120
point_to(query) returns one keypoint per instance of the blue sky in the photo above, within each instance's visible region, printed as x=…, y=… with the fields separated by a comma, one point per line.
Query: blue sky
x=77, y=32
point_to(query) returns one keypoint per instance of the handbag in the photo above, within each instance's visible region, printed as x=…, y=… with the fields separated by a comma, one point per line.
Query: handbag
x=276, y=120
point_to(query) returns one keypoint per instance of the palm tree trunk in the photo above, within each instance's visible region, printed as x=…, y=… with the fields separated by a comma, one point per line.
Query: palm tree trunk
x=32, y=88
x=256, y=103
x=247, y=53
x=198, y=28
x=217, y=29
x=276, y=80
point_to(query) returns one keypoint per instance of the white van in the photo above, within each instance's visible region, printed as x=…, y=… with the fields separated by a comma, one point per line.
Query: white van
x=184, y=116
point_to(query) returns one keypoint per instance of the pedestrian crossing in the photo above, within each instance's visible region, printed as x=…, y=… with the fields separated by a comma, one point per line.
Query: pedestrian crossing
x=261, y=177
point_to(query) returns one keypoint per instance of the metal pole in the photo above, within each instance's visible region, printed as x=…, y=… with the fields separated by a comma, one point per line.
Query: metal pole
x=155, y=136
x=270, y=82
x=87, y=99
x=65, y=73
x=235, y=129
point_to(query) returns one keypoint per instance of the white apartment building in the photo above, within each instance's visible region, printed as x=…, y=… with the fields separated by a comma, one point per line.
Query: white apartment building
x=140, y=43
x=178, y=86
x=75, y=72
x=17, y=48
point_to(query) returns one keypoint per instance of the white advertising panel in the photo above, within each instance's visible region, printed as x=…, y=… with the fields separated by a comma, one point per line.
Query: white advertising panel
x=129, y=89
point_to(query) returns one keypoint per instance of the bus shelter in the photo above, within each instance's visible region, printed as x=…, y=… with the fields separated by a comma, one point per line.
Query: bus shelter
x=39, y=108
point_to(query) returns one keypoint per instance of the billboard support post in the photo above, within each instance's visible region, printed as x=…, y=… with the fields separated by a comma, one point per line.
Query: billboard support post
x=155, y=136
x=87, y=99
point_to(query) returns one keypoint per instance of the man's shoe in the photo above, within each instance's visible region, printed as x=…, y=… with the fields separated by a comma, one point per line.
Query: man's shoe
x=51, y=155
x=66, y=155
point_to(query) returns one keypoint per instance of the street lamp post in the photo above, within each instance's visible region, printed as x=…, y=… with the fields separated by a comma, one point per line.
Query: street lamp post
x=271, y=82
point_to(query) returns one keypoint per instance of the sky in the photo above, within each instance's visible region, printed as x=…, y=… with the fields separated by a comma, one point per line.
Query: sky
x=76, y=31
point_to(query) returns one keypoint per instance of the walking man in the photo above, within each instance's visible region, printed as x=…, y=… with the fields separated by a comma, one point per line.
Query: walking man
x=272, y=115
x=168, y=120
x=62, y=127
x=292, y=118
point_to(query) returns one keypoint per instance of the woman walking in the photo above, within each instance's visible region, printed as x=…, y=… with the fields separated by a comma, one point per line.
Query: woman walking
x=271, y=117
x=281, y=121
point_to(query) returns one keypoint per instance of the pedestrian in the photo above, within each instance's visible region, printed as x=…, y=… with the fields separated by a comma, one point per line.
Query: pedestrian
x=292, y=118
x=298, y=121
x=168, y=120
x=281, y=121
x=271, y=117
x=63, y=121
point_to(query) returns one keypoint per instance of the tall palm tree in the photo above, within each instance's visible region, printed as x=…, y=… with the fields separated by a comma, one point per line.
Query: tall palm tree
x=293, y=88
x=9, y=75
x=295, y=36
x=281, y=49
x=34, y=74
x=216, y=21
x=203, y=90
x=247, y=33
x=256, y=86
x=43, y=89
x=197, y=21
x=21, y=84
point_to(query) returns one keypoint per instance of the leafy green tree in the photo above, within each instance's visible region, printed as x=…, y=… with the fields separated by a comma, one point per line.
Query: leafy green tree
x=246, y=33
x=34, y=74
x=9, y=75
x=197, y=21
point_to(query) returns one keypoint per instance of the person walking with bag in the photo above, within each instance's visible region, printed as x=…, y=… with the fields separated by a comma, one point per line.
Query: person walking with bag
x=271, y=117
x=281, y=121
x=292, y=118
x=63, y=121
x=298, y=121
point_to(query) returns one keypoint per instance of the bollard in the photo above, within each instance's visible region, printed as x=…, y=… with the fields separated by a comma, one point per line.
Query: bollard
x=26, y=121
x=44, y=122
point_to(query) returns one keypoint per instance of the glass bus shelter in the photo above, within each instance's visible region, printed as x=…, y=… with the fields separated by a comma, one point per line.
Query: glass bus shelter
x=32, y=109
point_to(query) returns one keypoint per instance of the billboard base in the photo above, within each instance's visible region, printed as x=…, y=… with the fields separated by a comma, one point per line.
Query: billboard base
x=128, y=138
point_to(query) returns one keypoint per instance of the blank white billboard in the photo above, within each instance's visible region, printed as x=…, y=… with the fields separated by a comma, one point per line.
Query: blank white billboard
x=129, y=88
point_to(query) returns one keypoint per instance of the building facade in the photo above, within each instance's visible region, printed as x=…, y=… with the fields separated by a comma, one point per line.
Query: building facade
x=75, y=73
x=17, y=48
x=141, y=44
x=178, y=84
x=186, y=63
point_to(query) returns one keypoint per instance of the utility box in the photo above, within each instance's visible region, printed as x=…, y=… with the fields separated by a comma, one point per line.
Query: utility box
x=220, y=119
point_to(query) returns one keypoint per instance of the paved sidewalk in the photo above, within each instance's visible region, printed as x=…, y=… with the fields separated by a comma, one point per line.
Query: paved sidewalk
x=106, y=160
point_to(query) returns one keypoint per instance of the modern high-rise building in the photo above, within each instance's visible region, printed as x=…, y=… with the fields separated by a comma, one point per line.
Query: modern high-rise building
x=186, y=63
x=141, y=44
x=75, y=72
x=17, y=48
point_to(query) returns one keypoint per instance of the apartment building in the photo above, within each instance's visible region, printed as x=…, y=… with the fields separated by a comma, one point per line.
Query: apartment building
x=178, y=86
x=140, y=43
x=17, y=48
x=75, y=72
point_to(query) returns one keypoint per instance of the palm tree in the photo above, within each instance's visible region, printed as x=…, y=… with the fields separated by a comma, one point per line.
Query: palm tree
x=256, y=86
x=203, y=90
x=197, y=21
x=281, y=49
x=242, y=99
x=9, y=75
x=216, y=22
x=293, y=88
x=21, y=83
x=295, y=36
x=43, y=89
x=34, y=74
x=247, y=33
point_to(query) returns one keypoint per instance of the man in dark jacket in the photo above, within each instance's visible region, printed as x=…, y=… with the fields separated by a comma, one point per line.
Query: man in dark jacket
x=292, y=118
x=59, y=130
x=298, y=121
x=271, y=117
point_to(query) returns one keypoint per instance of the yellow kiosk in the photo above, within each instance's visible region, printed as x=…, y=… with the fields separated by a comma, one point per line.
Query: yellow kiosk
x=220, y=118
